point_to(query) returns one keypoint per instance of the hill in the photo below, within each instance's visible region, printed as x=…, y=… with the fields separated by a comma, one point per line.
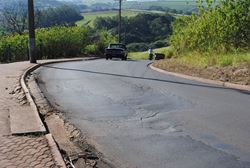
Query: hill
x=89, y=17
x=186, y=5
x=37, y=3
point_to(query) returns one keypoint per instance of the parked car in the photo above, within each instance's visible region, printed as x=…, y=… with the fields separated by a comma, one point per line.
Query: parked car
x=116, y=51
x=159, y=56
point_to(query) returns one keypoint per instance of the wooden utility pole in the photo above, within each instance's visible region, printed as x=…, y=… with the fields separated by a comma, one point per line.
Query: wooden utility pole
x=120, y=20
x=32, y=45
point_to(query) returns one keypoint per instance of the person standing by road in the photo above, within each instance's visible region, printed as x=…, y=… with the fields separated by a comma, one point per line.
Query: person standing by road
x=151, y=53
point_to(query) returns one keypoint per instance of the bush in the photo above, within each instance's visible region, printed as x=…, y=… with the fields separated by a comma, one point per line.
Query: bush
x=169, y=52
x=91, y=49
x=100, y=39
x=61, y=42
x=13, y=48
x=56, y=42
x=222, y=28
x=104, y=39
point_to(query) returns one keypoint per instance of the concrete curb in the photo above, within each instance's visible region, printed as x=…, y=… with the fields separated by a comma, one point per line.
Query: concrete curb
x=55, y=151
x=208, y=81
x=30, y=100
x=42, y=128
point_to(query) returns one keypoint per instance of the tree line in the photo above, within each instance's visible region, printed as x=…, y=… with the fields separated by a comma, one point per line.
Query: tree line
x=141, y=30
x=13, y=17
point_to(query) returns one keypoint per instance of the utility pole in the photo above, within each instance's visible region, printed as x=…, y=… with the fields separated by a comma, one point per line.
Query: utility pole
x=120, y=20
x=31, y=20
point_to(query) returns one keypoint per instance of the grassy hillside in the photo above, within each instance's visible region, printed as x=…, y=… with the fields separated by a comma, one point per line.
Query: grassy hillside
x=234, y=67
x=91, y=16
x=199, y=59
x=213, y=44
x=178, y=5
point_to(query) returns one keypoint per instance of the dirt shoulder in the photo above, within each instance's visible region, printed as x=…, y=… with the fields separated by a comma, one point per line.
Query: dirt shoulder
x=237, y=75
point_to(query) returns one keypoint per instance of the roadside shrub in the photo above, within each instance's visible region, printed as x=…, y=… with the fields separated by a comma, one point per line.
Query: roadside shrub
x=13, y=48
x=169, y=52
x=91, y=49
x=100, y=39
x=104, y=39
x=56, y=42
x=218, y=28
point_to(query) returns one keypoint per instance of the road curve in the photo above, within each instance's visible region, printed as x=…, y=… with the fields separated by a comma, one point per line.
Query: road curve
x=139, y=118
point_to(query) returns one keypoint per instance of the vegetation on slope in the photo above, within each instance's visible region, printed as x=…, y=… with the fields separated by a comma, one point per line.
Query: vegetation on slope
x=13, y=17
x=55, y=42
x=214, y=44
x=223, y=28
x=89, y=17
x=141, y=31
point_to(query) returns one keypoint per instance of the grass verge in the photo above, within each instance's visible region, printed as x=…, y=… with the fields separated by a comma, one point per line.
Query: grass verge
x=210, y=59
x=233, y=67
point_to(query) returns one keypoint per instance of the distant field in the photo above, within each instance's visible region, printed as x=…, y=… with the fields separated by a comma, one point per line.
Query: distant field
x=133, y=4
x=91, y=16
x=178, y=5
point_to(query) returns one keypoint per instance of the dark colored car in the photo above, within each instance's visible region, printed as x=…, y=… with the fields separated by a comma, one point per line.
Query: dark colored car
x=159, y=56
x=116, y=51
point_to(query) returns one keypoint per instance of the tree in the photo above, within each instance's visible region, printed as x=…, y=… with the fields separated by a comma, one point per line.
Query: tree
x=14, y=17
x=63, y=15
x=143, y=28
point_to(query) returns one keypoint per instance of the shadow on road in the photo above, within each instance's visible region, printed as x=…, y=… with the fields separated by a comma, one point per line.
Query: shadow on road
x=144, y=78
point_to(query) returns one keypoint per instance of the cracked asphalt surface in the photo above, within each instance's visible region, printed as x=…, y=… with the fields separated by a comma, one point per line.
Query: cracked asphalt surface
x=139, y=118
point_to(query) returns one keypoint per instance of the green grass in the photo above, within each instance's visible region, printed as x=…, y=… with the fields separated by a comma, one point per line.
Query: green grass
x=89, y=17
x=206, y=60
x=199, y=59
x=144, y=55
x=181, y=5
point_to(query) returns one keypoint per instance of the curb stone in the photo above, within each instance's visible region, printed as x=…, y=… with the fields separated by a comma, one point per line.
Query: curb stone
x=30, y=100
x=54, y=149
x=28, y=94
x=208, y=81
x=41, y=126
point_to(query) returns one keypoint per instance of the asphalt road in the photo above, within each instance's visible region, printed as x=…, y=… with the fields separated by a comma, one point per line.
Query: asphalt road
x=139, y=118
